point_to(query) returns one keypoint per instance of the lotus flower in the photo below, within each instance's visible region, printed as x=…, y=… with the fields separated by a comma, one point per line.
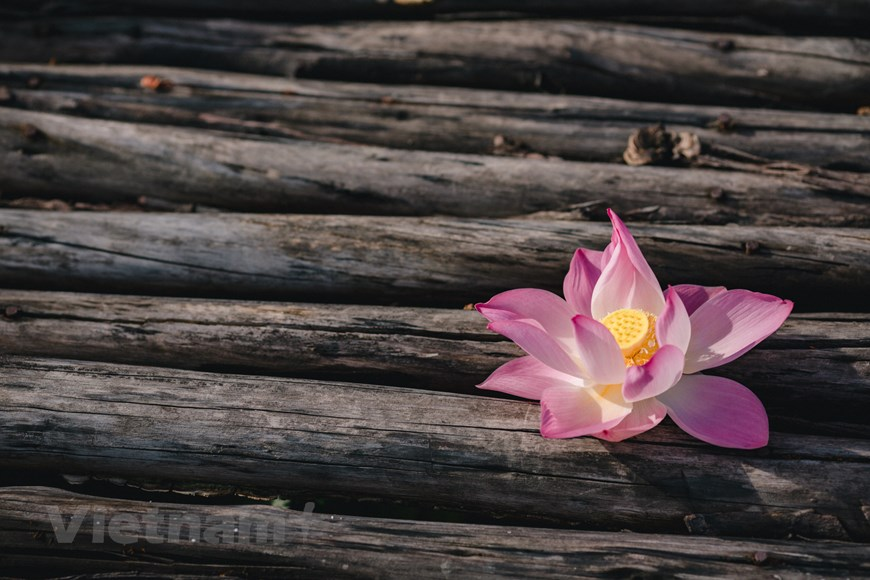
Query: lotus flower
x=617, y=354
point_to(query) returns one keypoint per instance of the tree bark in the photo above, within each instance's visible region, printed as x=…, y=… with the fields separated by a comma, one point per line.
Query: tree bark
x=374, y=441
x=417, y=261
x=430, y=118
x=56, y=155
x=812, y=375
x=313, y=545
x=556, y=56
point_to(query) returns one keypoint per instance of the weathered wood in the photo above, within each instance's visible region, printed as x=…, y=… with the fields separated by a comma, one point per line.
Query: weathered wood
x=556, y=56
x=812, y=375
x=313, y=544
x=56, y=155
x=188, y=81
x=837, y=16
x=429, y=118
x=418, y=261
x=482, y=454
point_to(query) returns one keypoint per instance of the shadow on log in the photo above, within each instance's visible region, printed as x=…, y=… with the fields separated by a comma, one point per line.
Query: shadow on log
x=477, y=453
x=838, y=16
x=295, y=544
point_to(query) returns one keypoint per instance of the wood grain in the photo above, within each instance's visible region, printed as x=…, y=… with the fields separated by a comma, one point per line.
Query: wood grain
x=836, y=14
x=296, y=435
x=416, y=261
x=323, y=545
x=50, y=155
x=812, y=375
x=432, y=118
x=602, y=59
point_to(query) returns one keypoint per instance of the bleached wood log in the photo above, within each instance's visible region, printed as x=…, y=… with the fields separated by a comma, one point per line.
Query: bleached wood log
x=56, y=155
x=430, y=118
x=580, y=57
x=416, y=261
x=295, y=436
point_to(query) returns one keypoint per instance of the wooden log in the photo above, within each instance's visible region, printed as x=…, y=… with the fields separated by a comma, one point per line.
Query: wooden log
x=298, y=436
x=429, y=118
x=837, y=16
x=812, y=375
x=313, y=544
x=56, y=155
x=417, y=261
x=552, y=55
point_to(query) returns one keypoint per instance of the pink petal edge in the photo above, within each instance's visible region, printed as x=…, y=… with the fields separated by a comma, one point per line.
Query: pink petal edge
x=580, y=281
x=673, y=326
x=658, y=375
x=731, y=323
x=573, y=412
x=693, y=296
x=644, y=416
x=533, y=339
x=600, y=358
x=621, y=285
x=527, y=377
x=717, y=410
x=548, y=309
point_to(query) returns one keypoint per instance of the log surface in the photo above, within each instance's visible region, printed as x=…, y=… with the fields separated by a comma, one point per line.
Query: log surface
x=430, y=118
x=556, y=56
x=449, y=449
x=812, y=375
x=315, y=545
x=419, y=261
x=838, y=15
x=51, y=155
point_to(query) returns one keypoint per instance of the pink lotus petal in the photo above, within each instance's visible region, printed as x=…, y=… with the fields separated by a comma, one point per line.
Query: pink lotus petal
x=693, y=295
x=607, y=254
x=623, y=285
x=731, y=323
x=627, y=241
x=532, y=338
x=717, y=410
x=673, y=326
x=599, y=355
x=580, y=280
x=644, y=416
x=576, y=411
x=551, y=312
x=527, y=377
x=658, y=375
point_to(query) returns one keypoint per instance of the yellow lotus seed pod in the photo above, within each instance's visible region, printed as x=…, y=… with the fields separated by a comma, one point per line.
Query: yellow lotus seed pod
x=629, y=327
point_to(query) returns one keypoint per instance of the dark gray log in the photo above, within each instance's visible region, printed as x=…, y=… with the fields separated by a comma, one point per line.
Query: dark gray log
x=552, y=55
x=812, y=375
x=56, y=155
x=837, y=16
x=315, y=545
x=421, y=261
x=483, y=454
x=429, y=118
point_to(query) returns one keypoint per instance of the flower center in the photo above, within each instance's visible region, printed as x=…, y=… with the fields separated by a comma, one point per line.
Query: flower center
x=635, y=333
